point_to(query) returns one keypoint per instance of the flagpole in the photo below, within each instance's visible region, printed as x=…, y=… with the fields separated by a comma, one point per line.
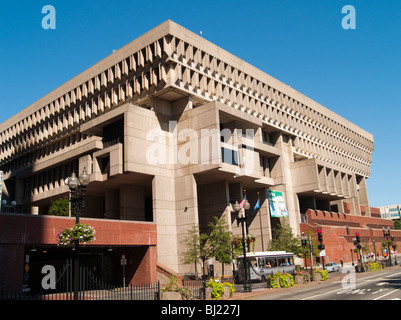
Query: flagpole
x=260, y=223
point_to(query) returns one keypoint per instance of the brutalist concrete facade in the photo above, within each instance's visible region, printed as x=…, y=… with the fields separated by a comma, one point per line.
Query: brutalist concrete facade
x=173, y=129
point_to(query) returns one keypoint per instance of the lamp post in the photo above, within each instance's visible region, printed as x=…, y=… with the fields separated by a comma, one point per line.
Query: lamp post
x=241, y=217
x=4, y=204
x=394, y=245
x=374, y=248
x=77, y=203
x=352, y=257
x=304, y=243
x=387, y=236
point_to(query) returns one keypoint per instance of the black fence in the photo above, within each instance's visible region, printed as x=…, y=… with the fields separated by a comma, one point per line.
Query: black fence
x=131, y=292
x=93, y=288
x=197, y=287
x=90, y=288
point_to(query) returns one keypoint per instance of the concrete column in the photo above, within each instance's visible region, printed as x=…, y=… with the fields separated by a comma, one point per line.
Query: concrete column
x=164, y=214
x=186, y=211
x=291, y=199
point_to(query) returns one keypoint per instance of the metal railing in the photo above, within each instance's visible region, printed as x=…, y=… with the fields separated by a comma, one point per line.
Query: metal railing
x=109, y=292
x=90, y=288
x=197, y=287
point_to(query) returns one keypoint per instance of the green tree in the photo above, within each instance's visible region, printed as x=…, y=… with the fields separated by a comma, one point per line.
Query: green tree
x=284, y=240
x=196, y=247
x=219, y=241
x=59, y=207
x=397, y=224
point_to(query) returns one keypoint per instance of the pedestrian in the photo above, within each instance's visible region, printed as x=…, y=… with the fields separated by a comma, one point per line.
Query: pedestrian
x=342, y=262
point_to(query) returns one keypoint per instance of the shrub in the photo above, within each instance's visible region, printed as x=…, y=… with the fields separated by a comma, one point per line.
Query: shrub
x=218, y=288
x=374, y=266
x=323, y=273
x=283, y=280
x=60, y=207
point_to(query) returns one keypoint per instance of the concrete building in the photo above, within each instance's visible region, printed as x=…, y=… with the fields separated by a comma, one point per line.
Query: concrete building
x=173, y=129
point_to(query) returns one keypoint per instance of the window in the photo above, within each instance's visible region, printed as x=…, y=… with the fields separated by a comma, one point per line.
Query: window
x=113, y=133
x=229, y=156
x=285, y=261
x=265, y=166
x=271, y=262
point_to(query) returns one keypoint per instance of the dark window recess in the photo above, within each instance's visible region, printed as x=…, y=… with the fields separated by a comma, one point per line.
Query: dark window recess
x=113, y=133
x=105, y=164
x=148, y=209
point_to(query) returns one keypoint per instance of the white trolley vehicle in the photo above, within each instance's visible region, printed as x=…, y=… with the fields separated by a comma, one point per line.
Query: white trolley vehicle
x=263, y=264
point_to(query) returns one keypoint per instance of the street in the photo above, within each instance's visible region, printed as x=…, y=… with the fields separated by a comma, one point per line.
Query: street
x=375, y=285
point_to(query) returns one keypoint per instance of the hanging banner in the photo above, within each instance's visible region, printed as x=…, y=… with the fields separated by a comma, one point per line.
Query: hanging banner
x=277, y=205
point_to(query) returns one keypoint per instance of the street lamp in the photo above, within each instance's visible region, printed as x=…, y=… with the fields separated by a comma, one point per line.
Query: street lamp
x=352, y=257
x=73, y=183
x=304, y=243
x=241, y=217
x=387, y=236
x=77, y=203
x=394, y=245
x=4, y=204
x=374, y=248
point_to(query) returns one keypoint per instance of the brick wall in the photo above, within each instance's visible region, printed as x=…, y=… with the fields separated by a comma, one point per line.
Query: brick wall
x=20, y=230
x=338, y=244
x=35, y=230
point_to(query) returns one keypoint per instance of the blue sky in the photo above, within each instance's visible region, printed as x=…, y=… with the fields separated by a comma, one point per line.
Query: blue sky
x=355, y=73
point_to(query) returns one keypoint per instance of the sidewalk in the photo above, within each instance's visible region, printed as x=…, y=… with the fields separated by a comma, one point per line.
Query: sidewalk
x=239, y=295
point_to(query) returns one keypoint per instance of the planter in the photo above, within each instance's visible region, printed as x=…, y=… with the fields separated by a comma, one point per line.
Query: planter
x=209, y=295
x=360, y=268
x=226, y=293
x=300, y=278
x=170, y=295
x=317, y=276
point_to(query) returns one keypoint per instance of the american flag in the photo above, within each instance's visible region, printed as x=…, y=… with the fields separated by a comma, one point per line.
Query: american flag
x=241, y=204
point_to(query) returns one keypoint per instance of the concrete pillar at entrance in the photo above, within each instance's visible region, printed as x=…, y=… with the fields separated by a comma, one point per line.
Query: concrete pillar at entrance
x=186, y=211
x=164, y=214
